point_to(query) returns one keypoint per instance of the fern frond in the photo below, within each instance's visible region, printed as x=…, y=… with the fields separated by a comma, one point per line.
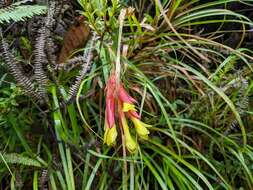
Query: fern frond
x=43, y=178
x=74, y=88
x=40, y=56
x=40, y=61
x=50, y=51
x=14, y=158
x=49, y=23
x=242, y=103
x=88, y=55
x=70, y=64
x=15, y=69
x=20, y=13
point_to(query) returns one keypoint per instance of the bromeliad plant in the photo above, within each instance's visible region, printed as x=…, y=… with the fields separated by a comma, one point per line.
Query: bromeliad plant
x=118, y=99
x=119, y=104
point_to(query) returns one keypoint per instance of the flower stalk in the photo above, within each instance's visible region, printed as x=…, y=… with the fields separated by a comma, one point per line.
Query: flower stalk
x=118, y=99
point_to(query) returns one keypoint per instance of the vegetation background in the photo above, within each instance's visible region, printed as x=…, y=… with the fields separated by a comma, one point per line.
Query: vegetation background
x=188, y=63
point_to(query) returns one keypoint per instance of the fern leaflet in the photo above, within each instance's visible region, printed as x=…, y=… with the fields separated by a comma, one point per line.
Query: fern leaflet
x=20, y=13
x=13, y=158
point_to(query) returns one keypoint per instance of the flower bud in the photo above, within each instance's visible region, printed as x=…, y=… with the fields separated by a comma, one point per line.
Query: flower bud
x=110, y=135
x=141, y=128
x=129, y=141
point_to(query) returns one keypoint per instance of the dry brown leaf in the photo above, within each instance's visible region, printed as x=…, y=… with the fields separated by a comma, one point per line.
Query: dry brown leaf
x=75, y=38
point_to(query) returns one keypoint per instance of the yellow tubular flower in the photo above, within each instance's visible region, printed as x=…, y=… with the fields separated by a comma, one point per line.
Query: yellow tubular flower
x=110, y=135
x=128, y=107
x=141, y=128
x=130, y=143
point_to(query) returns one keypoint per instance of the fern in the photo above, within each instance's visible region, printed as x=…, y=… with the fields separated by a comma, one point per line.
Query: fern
x=43, y=178
x=88, y=54
x=70, y=64
x=20, y=12
x=40, y=56
x=50, y=52
x=40, y=61
x=16, y=69
x=242, y=103
x=13, y=158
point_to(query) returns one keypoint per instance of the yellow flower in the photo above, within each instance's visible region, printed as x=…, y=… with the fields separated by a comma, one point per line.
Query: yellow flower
x=128, y=107
x=129, y=141
x=141, y=128
x=110, y=135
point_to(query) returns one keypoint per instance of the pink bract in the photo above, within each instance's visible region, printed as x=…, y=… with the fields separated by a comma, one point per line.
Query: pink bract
x=124, y=96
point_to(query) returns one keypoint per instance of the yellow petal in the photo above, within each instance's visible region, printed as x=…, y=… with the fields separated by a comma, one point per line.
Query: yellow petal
x=131, y=145
x=129, y=141
x=106, y=134
x=110, y=135
x=128, y=107
x=141, y=128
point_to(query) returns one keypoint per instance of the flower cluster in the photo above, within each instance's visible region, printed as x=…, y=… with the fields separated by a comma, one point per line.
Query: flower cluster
x=117, y=97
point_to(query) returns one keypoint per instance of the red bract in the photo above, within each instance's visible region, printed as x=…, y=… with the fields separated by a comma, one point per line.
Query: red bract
x=133, y=114
x=110, y=107
x=124, y=96
x=110, y=101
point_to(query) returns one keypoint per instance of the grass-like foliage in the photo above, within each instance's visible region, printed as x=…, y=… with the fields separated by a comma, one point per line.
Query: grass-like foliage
x=191, y=77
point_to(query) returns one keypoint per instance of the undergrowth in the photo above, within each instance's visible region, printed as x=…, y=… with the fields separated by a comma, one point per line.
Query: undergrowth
x=192, y=81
